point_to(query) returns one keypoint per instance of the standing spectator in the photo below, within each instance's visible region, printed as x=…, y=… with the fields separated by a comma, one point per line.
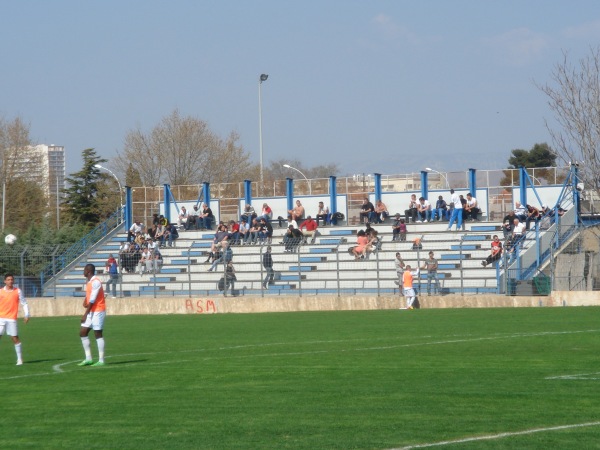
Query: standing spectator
x=411, y=212
x=136, y=228
x=249, y=213
x=183, y=218
x=472, y=208
x=10, y=297
x=457, y=212
x=496, y=252
x=266, y=213
x=423, y=208
x=441, y=208
x=207, y=217
x=431, y=265
x=399, y=263
x=229, y=279
x=367, y=211
x=322, y=213
x=381, y=212
x=267, y=229
x=311, y=229
x=267, y=262
x=112, y=269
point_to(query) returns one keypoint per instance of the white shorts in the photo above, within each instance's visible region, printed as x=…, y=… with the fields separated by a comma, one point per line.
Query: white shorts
x=409, y=292
x=8, y=325
x=95, y=320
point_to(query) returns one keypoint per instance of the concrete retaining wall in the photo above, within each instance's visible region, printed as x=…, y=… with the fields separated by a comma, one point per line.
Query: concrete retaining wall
x=48, y=307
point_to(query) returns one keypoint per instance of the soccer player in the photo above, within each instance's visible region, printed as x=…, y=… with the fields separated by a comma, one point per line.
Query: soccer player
x=10, y=297
x=409, y=292
x=95, y=311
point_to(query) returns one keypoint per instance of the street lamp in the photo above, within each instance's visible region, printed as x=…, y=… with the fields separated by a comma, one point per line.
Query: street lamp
x=287, y=166
x=429, y=169
x=263, y=77
x=98, y=166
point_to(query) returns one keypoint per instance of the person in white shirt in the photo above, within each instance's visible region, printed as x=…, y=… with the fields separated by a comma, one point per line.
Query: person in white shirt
x=145, y=262
x=183, y=217
x=322, y=213
x=423, y=208
x=472, y=210
x=457, y=212
x=136, y=228
x=520, y=211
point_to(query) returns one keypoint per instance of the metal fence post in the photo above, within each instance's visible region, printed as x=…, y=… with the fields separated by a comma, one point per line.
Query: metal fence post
x=299, y=270
x=262, y=286
x=460, y=261
x=189, y=268
x=22, y=285
x=378, y=274
x=337, y=267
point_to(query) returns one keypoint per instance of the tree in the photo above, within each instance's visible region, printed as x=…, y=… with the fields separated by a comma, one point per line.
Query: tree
x=574, y=97
x=132, y=176
x=541, y=155
x=183, y=151
x=81, y=201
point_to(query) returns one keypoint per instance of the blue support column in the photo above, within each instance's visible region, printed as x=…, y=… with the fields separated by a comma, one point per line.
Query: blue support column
x=576, y=193
x=523, y=185
x=424, y=187
x=289, y=192
x=167, y=201
x=206, y=191
x=128, y=208
x=377, y=186
x=332, y=195
x=473, y=182
x=248, y=192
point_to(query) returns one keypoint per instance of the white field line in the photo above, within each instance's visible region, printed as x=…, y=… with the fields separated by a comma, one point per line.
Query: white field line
x=499, y=435
x=579, y=376
x=58, y=368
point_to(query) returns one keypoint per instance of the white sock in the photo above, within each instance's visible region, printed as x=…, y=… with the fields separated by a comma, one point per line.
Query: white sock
x=86, y=348
x=409, y=301
x=18, y=351
x=100, y=343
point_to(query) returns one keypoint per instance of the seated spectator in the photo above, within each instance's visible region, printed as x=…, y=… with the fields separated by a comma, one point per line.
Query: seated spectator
x=520, y=212
x=225, y=257
x=139, y=238
x=183, y=218
x=155, y=219
x=374, y=241
x=463, y=203
x=441, y=208
x=412, y=211
x=161, y=235
x=533, y=214
x=255, y=232
x=129, y=259
x=206, y=217
x=360, y=249
x=309, y=229
x=423, y=208
x=220, y=239
x=136, y=228
x=157, y=262
x=398, y=229
x=145, y=262
x=192, y=220
x=322, y=213
x=244, y=231
x=496, y=252
x=162, y=220
x=172, y=234
x=292, y=238
x=267, y=230
x=381, y=212
x=266, y=213
x=367, y=212
x=508, y=224
x=234, y=232
x=471, y=208
x=516, y=238
x=248, y=213
x=297, y=212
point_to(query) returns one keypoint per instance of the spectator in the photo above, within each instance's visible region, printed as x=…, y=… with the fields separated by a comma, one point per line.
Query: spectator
x=399, y=263
x=472, y=208
x=230, y=279
x=411, y=212
x=520, y=212
x=496, y=252
x=367, y=212
x=533, y=214
x=311, y=229
x=374, y=241
x=381, y=212
x=360, y=249
x=244, y=231
x=206, y=218
x=255, y=232
x=266, y=213
x=396, y=227
x=463, y=202
x=183, y=218
x=136, y=228
x=234, y=232
x=297, y=212
x=155, y=219
x=145, y=261
x=508, y=223
x=431, y=265
x=162, y=220
x=292, y=238
x=157, y=262
x=192, y=220
x=441, y=208
x=423, y=208
x=322, y=213
x=267, y=262
x=219, y=241
x=267, y=230
x=457, y=212
x=112, y=269
x=226, y=256
x=161, y=235
x=517, y=235
x=249, y=213
x=172, y=234
x=139, y=239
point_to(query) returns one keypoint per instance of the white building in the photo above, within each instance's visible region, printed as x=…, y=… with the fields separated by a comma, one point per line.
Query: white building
x=44, y=164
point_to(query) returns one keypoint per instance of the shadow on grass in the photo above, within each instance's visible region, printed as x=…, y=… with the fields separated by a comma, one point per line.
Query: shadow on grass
x=131, y=361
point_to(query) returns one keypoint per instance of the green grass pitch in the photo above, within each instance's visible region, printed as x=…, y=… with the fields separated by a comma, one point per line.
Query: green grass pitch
x=318, y=380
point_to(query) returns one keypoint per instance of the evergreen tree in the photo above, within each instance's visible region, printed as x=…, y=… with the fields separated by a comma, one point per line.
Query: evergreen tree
x=81, y=197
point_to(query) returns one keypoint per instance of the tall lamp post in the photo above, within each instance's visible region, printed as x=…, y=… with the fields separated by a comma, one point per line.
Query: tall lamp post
x=429, y=169
x=98, y=166
x=263, y=77
x=287, y=166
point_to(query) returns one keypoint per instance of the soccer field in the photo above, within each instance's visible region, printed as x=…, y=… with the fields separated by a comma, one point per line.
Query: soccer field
x=483, y=378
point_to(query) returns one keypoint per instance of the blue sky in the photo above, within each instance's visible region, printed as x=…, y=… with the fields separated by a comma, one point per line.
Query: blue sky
x=375, y=86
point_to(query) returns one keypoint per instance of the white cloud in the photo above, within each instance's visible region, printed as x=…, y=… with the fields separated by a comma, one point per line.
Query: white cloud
x=518, y=47
x=390, y=30
x=589, y=30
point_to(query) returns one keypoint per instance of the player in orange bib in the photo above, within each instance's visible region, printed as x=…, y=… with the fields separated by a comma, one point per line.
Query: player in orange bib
x=407, y=281
x=10, y=297
x=95, y=312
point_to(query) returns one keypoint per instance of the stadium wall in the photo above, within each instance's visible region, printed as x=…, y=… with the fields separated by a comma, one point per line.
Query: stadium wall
x=47, y=307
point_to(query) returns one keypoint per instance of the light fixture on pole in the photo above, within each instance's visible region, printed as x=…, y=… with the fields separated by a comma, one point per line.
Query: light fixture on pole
x=263, y=77
x=429, y=169
x=287, y=166
x=98, y=166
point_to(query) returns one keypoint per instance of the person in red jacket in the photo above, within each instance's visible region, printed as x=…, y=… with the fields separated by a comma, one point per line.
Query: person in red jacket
x=311, y=229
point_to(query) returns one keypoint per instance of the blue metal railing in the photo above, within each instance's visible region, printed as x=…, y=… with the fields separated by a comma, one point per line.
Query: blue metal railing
x=63, y=260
